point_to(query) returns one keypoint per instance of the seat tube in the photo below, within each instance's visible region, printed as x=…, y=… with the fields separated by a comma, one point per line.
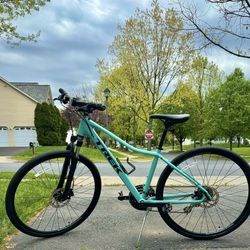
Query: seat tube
x=163, y=137
x=150, y=175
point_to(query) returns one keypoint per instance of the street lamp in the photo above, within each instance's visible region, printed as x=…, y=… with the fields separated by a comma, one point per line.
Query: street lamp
x=106, y=94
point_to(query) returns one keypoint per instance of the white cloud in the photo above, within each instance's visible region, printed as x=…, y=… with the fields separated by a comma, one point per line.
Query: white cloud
x=98, y=9
x=228, y=62
x=10, y=56
x=74, y=33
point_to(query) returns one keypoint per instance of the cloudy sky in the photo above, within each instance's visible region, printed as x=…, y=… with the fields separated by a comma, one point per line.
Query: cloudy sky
x=74, y=34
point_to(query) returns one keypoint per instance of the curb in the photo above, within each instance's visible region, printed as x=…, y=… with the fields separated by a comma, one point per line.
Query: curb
x=7, y=159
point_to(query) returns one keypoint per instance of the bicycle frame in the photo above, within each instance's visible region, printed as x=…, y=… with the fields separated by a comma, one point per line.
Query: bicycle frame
x=87, y=129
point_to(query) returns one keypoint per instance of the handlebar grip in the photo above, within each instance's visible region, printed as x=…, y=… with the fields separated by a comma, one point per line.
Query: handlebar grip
x=100, y=107
x=62, y=91
x=64, y=97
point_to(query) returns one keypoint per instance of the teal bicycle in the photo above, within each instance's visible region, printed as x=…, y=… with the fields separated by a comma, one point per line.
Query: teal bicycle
x=202, y=194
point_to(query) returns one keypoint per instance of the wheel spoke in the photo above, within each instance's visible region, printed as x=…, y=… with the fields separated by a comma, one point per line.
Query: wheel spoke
x=48, y=213
x=223, y=178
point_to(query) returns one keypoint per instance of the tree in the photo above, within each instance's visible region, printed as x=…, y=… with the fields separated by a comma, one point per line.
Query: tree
x=86, y=93
x=126, y=103
x=49, y=125
x=231, y=30
x=203, y=76
x=155, y=52
x=150, y=52
x=9, y=12
x=63, y=129
x=228, y=109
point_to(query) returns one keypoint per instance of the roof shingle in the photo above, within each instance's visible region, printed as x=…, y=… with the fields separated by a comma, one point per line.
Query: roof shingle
x=41, y=93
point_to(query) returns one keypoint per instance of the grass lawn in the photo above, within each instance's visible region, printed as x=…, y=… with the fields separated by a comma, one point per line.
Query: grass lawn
x=91, y=153
x=242, y=150
x=25, y=209
x=138, y=156
x=6, y=227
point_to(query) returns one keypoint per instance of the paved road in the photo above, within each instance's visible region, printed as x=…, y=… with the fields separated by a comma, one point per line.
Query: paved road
x=116, y=225
x=212, y=165
x=104, y=168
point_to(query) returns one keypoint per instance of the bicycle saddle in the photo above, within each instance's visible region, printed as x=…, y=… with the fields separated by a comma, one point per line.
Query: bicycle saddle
x=171, y=119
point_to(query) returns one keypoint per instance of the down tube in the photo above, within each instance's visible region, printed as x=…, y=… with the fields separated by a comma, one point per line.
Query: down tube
x=114, y=163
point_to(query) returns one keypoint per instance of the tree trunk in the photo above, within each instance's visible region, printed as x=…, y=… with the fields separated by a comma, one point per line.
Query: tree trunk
x=181, y=140
x=87, y=142
x=238, y=141
x=181, y=147
x=231, y=143
x=134, y=130
x=172, y=141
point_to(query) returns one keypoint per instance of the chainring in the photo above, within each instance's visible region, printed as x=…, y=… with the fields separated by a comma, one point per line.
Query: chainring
x=133, y=201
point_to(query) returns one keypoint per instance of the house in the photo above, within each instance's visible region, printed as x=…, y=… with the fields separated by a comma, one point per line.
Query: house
x=18, y=101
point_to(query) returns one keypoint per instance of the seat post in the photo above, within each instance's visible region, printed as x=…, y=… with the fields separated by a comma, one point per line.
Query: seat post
x=168, y=120
x=167, y=126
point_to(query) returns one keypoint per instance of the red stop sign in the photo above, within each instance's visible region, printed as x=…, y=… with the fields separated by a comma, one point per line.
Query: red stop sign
x=149, y=134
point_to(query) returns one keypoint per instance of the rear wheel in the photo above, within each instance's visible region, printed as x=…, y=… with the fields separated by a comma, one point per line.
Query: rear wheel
x=225, y=175
x=33, y=201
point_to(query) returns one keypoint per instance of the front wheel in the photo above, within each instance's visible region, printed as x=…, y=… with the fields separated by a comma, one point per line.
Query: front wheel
x=225, y=175
x=33, y=201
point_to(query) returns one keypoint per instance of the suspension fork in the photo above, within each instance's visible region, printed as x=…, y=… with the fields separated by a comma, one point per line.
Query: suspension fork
x=66, y=163
x=70, y=164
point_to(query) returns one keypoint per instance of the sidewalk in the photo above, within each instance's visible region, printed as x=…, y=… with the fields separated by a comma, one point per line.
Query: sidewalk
x=115, y=225
x=7, y=159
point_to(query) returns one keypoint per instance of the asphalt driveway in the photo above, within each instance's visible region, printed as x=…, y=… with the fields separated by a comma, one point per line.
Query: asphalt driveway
x=116, y=225
x=8, y=151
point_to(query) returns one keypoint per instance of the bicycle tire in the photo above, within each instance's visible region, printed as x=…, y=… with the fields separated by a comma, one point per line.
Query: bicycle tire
x=34, y=185
x=227, y=179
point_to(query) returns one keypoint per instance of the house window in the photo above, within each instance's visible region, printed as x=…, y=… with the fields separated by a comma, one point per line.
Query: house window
x=24, y=128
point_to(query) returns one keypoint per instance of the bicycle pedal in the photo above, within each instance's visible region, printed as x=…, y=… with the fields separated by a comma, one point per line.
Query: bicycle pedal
x=122, y=197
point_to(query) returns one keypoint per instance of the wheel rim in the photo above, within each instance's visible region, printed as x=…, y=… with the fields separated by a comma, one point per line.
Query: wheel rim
x=45, y=213
x=222, y=178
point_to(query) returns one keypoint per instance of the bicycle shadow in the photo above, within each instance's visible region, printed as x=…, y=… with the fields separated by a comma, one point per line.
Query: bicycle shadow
x=166, y=242
x=79, y=239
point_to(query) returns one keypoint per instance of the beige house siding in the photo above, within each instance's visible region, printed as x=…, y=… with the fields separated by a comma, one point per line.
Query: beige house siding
x=16, y=109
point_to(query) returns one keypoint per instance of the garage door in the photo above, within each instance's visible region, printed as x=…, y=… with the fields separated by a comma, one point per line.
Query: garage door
x=24, y=135
x=4, y=137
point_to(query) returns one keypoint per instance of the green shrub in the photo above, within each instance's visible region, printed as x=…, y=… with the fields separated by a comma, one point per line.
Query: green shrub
x=51, y=128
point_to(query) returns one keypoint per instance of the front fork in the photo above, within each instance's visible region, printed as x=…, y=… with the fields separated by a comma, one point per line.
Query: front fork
x=69, y=167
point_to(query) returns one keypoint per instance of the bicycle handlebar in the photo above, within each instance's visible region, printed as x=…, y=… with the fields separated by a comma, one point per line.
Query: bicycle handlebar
x=86, y=107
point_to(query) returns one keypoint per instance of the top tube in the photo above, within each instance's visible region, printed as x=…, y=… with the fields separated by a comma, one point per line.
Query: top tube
x=86, y=124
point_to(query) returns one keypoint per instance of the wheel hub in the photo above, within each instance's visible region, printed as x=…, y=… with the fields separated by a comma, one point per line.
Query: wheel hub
x=215, y=197
x=57, y=200
x=210, y=203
